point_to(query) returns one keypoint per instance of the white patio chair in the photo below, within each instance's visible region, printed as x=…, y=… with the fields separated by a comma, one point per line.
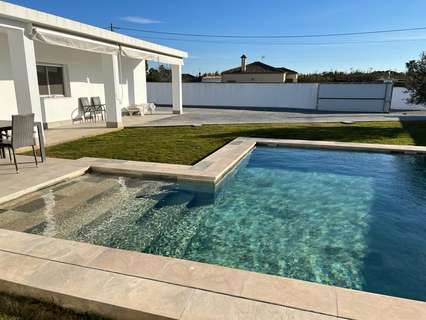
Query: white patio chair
x=140, y=109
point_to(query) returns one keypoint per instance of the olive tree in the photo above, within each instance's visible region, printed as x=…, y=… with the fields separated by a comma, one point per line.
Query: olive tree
x=416, y=80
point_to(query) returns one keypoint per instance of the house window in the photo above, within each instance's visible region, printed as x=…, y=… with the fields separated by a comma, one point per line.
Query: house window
x=50, y=80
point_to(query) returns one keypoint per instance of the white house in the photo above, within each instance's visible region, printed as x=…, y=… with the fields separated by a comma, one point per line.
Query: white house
x=47, y=62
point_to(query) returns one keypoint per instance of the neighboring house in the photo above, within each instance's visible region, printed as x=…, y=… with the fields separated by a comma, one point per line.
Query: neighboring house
x=214, y=78
x=258, y=72
x=47, y=62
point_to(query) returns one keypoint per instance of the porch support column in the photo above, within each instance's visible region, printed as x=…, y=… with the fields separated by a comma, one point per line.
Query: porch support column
x=177, y=88
x=139, y=83
x=24, y=70
x=111, y=85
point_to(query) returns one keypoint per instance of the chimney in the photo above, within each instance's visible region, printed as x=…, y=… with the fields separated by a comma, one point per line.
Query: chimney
x=243, y=63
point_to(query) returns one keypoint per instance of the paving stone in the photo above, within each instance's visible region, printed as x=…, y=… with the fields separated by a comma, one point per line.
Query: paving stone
x=361, y=305
x=210, y=306
x=291, y=293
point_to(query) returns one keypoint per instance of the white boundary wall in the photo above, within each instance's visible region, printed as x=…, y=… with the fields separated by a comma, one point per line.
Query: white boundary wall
x=351, y=97
x=297, y=95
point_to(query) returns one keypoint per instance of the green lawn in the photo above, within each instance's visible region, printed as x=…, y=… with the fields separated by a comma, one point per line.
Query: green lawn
x=187, y=145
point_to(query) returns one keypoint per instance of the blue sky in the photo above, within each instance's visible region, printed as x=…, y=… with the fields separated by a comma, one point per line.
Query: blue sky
x=265, y=17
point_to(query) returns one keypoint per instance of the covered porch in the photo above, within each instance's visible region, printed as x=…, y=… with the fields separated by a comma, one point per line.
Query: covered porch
x=46, y=67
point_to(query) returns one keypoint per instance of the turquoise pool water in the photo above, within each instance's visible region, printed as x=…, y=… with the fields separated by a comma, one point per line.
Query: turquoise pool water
x=354, y=220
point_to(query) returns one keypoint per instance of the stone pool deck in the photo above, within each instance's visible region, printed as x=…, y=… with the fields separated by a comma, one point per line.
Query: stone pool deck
x=130, y=285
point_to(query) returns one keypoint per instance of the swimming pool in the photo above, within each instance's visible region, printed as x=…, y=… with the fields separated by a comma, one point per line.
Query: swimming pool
x=350, y=219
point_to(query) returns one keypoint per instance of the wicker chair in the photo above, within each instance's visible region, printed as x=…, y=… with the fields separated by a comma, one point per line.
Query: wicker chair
x=22, y=136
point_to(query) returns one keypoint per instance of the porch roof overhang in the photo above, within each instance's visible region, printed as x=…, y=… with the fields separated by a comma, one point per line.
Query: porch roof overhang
x=44, y=22
x=62, y=39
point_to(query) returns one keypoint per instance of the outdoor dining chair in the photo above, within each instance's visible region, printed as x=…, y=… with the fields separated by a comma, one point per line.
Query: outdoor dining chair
x=98, y=106
x=22, y=136
x=3, y=135
x=87, y=110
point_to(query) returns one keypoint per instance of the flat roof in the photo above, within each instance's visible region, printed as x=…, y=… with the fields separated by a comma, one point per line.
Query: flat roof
x=50, y=21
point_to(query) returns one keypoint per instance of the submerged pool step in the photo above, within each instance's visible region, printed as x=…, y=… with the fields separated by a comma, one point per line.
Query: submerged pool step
x=70, y=212
x=134, y=218
x=113, y=227
x=167, y=213
x=175, y=240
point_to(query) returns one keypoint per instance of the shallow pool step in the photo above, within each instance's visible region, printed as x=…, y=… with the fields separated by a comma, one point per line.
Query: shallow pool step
x=167, y=212
x=112, y=227
x=136, y=229
x=134, y=223
x=174, y=241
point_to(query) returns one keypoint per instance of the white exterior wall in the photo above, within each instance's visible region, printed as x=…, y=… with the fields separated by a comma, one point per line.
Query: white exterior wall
x=254, y=77
x=83, y=78
x=7, y=87
x=83, y=70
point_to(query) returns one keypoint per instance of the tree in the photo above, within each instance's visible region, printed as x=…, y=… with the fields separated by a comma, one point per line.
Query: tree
x=162, y=74
x=416, y=80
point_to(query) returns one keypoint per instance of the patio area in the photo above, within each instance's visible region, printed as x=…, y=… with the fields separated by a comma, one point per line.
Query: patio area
x=199, y=116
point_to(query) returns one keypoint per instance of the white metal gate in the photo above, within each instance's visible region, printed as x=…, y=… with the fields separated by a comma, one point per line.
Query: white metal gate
x=355, y=97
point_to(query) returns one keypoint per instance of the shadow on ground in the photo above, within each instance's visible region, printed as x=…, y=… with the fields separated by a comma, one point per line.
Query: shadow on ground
x=416, y=130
